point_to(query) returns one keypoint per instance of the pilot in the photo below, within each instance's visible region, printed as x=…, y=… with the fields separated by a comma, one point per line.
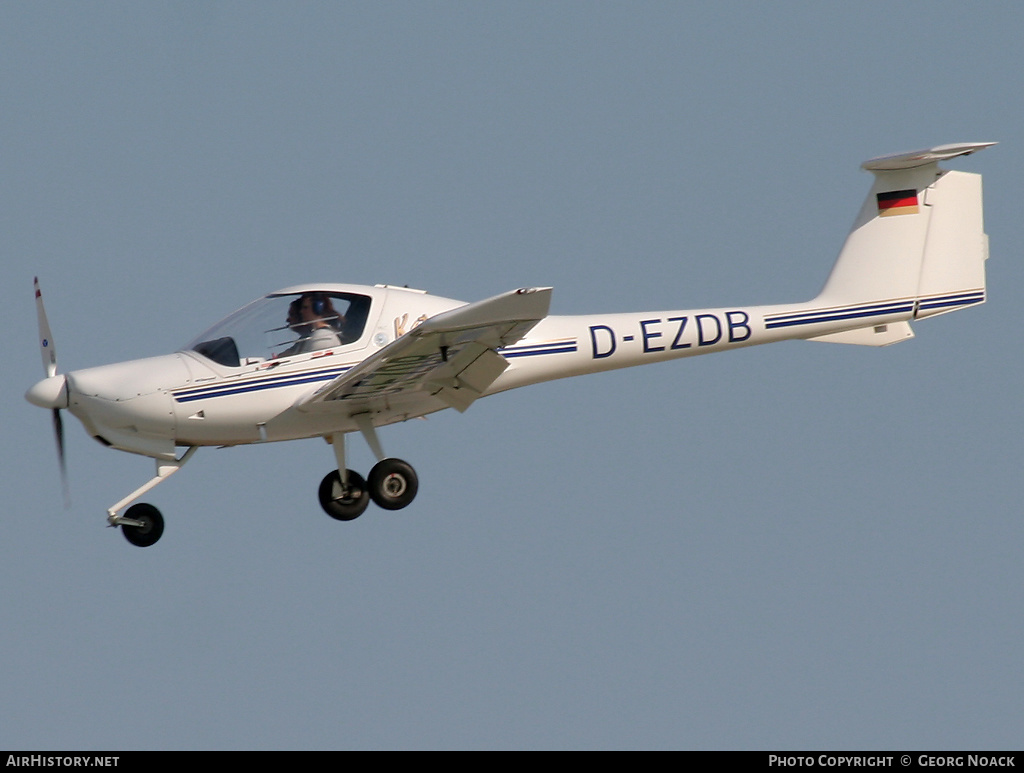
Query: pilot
x=313, y=317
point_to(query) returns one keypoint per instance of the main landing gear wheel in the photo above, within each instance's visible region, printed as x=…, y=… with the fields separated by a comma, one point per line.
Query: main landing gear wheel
x=340, y=502
x=393, y=484
x=152, y=525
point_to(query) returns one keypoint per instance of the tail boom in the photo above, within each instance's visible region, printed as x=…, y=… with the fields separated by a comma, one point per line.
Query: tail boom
x=917, y=249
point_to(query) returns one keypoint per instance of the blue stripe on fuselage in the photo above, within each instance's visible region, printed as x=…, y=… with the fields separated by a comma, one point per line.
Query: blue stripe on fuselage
x=229, y=388
x=223, y=389
x=880, y=309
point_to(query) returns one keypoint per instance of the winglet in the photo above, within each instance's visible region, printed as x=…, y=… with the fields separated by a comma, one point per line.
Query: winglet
x=921, y=157
x=525, y=305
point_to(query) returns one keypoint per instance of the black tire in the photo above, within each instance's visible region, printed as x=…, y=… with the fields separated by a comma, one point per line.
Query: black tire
x=152, y=525
x=393, y=484
x=344, y=504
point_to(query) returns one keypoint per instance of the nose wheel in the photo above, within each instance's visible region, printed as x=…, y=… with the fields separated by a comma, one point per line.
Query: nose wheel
x=142, y=525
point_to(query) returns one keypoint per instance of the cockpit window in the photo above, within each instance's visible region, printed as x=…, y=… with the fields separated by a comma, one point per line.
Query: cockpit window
x=284, y=326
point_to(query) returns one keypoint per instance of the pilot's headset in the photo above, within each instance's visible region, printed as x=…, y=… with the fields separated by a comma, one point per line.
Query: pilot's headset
x=321, y=305
x=318, y=303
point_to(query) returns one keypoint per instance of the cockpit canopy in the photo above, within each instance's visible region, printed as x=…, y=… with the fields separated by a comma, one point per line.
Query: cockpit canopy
x=285, y=325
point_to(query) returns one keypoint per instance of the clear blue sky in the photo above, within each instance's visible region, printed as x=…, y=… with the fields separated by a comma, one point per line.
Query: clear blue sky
x=795, y=546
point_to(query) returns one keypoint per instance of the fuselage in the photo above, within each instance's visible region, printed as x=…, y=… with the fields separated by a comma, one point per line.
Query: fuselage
x=199, y=396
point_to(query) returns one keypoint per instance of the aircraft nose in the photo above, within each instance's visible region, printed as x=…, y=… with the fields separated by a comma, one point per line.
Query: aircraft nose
x=51, y=392
x=128, y=405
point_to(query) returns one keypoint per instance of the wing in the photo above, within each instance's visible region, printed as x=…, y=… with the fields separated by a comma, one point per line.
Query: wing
x=452, y=357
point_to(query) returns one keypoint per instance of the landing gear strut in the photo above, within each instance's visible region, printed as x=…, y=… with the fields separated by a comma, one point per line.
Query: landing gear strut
x=142, y=524
x=392, y=483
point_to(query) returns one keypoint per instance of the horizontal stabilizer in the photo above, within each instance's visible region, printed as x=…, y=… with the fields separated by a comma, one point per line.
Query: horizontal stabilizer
x=921, y=157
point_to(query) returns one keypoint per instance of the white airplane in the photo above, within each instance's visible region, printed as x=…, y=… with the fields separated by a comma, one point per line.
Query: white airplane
x=326, y=360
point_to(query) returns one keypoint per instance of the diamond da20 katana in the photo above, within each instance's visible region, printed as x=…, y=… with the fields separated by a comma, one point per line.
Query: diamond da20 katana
x=326, y=360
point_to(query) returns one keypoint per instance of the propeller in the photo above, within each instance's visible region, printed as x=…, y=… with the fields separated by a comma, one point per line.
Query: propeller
x=51, y=392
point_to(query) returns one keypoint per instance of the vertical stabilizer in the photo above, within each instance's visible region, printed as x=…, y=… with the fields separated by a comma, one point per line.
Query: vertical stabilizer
x=953, y=267
x=919, y=236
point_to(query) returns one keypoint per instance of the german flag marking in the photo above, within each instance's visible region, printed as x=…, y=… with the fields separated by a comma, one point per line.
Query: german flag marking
x=897, y=203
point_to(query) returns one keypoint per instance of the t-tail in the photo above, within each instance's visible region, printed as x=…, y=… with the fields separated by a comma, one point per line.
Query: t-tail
x=917, y=249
